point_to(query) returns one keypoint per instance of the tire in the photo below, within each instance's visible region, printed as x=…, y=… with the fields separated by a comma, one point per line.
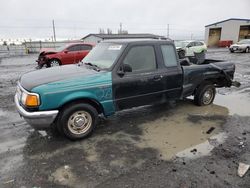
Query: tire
x=181, y=54
x=204, y=95
x=247, y=50
x=231, y=51
x=77, y=121
x=53, y=63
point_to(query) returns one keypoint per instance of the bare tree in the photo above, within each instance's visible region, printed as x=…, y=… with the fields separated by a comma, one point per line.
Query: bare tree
x=109, y=31
x=101, y=31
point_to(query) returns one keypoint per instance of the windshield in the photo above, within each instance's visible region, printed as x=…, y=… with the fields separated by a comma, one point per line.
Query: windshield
x=181, y=44
x=104, y=55
x=244, y=42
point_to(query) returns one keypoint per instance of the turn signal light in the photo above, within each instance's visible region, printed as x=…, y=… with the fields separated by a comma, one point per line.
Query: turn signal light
x=32, y=101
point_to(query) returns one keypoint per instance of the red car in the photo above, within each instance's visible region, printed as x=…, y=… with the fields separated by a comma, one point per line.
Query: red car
x=67, y=54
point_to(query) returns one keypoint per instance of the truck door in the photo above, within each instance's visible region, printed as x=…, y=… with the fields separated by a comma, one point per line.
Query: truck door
x=173, y=75
x=143, y=84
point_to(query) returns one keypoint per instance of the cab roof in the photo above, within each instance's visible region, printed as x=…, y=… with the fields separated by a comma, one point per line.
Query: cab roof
x=127, y=41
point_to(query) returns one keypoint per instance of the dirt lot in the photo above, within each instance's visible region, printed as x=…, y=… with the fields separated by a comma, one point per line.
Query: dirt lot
x=154, y=146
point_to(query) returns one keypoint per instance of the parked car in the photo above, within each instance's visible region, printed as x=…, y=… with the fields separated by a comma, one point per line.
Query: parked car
x=115, y=75
x=188, y=48
x=241, y=46
x=66, y=54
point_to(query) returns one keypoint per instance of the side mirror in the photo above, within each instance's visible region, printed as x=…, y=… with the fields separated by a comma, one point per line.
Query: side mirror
x=127, y=68
x=123, y=69
x=65, y=51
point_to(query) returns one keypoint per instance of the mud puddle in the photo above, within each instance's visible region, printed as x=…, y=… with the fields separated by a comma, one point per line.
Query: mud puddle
x=204, y=148
x=237, y=103
x=187, y=126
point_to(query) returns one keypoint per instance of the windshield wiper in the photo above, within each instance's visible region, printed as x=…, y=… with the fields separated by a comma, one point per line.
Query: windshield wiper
x=95, y=67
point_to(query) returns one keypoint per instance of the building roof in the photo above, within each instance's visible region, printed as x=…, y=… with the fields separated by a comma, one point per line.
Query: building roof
x=235, y=19
x=125, y=36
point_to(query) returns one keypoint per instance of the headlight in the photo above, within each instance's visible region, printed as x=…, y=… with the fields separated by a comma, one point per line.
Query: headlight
x=29, y=99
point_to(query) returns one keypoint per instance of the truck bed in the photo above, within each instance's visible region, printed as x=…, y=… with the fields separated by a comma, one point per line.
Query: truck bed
x=217, y=71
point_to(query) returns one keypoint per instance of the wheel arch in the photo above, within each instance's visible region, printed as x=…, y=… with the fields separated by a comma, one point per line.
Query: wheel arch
x=98, y=106
x=218, y=81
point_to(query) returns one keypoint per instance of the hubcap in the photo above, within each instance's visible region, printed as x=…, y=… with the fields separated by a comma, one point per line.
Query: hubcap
x=208, y=96
x=54, y=63
x=79, y=122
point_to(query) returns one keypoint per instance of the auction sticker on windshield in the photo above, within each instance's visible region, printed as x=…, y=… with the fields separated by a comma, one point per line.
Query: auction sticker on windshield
x=115, y=47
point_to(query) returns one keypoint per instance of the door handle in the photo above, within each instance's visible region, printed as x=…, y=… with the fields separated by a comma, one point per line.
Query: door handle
x=158, y=77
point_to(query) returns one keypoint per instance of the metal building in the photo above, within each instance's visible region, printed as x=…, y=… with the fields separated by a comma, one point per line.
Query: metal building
x=233, y=29
x=95, y=38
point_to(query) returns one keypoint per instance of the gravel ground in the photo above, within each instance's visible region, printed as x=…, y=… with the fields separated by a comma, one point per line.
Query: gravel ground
x=153, y=146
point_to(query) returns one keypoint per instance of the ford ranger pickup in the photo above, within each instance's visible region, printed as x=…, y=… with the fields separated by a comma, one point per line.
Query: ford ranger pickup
x=115, y=75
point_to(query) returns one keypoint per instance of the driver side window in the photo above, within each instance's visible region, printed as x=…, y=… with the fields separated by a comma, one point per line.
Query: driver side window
x=141, y=58
x=73, y=48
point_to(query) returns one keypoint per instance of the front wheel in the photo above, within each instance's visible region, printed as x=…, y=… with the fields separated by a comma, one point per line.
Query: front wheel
x=77, y=121
x=54, y=63
x=204, y=95
x=247, y=50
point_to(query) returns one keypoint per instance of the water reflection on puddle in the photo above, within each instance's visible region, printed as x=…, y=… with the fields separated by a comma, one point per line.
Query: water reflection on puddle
x=186, y=127
x=237, y=103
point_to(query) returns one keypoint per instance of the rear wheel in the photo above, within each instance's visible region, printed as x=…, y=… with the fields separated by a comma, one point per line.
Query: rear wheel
x=77, y=121
x=204, y=95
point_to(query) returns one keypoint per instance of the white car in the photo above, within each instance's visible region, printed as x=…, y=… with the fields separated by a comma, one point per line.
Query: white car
x=187, y=48
x=241, y=46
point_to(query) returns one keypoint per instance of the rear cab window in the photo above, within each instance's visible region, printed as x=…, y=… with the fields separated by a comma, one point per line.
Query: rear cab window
x=169, y=55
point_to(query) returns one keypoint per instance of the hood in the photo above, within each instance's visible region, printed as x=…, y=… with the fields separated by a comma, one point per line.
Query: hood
x=44, y=76
x=238, y=45
x=178, y=48
x=47, y=50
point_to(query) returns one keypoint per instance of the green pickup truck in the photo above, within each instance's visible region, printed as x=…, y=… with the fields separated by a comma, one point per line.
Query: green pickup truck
x=115, y=75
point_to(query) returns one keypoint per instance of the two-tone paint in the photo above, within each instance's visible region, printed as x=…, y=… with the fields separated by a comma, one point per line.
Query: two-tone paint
x=109, y=91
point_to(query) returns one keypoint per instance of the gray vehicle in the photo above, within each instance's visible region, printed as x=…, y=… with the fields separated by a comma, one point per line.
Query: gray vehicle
x=241, y=46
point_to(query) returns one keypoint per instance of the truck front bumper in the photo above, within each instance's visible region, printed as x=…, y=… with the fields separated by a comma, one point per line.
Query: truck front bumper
x=38, y=120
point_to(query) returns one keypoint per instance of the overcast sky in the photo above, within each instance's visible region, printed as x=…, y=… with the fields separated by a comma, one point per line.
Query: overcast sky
x=77, y=18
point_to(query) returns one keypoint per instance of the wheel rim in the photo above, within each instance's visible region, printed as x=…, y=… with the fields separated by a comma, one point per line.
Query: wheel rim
x=79, y=122
x=208, y=96
x=247, y=50
x=54, y=63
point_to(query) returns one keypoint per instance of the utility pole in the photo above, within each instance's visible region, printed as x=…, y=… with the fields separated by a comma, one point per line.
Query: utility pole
x=54, y=30
x=168, y=31
x=120, y=28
